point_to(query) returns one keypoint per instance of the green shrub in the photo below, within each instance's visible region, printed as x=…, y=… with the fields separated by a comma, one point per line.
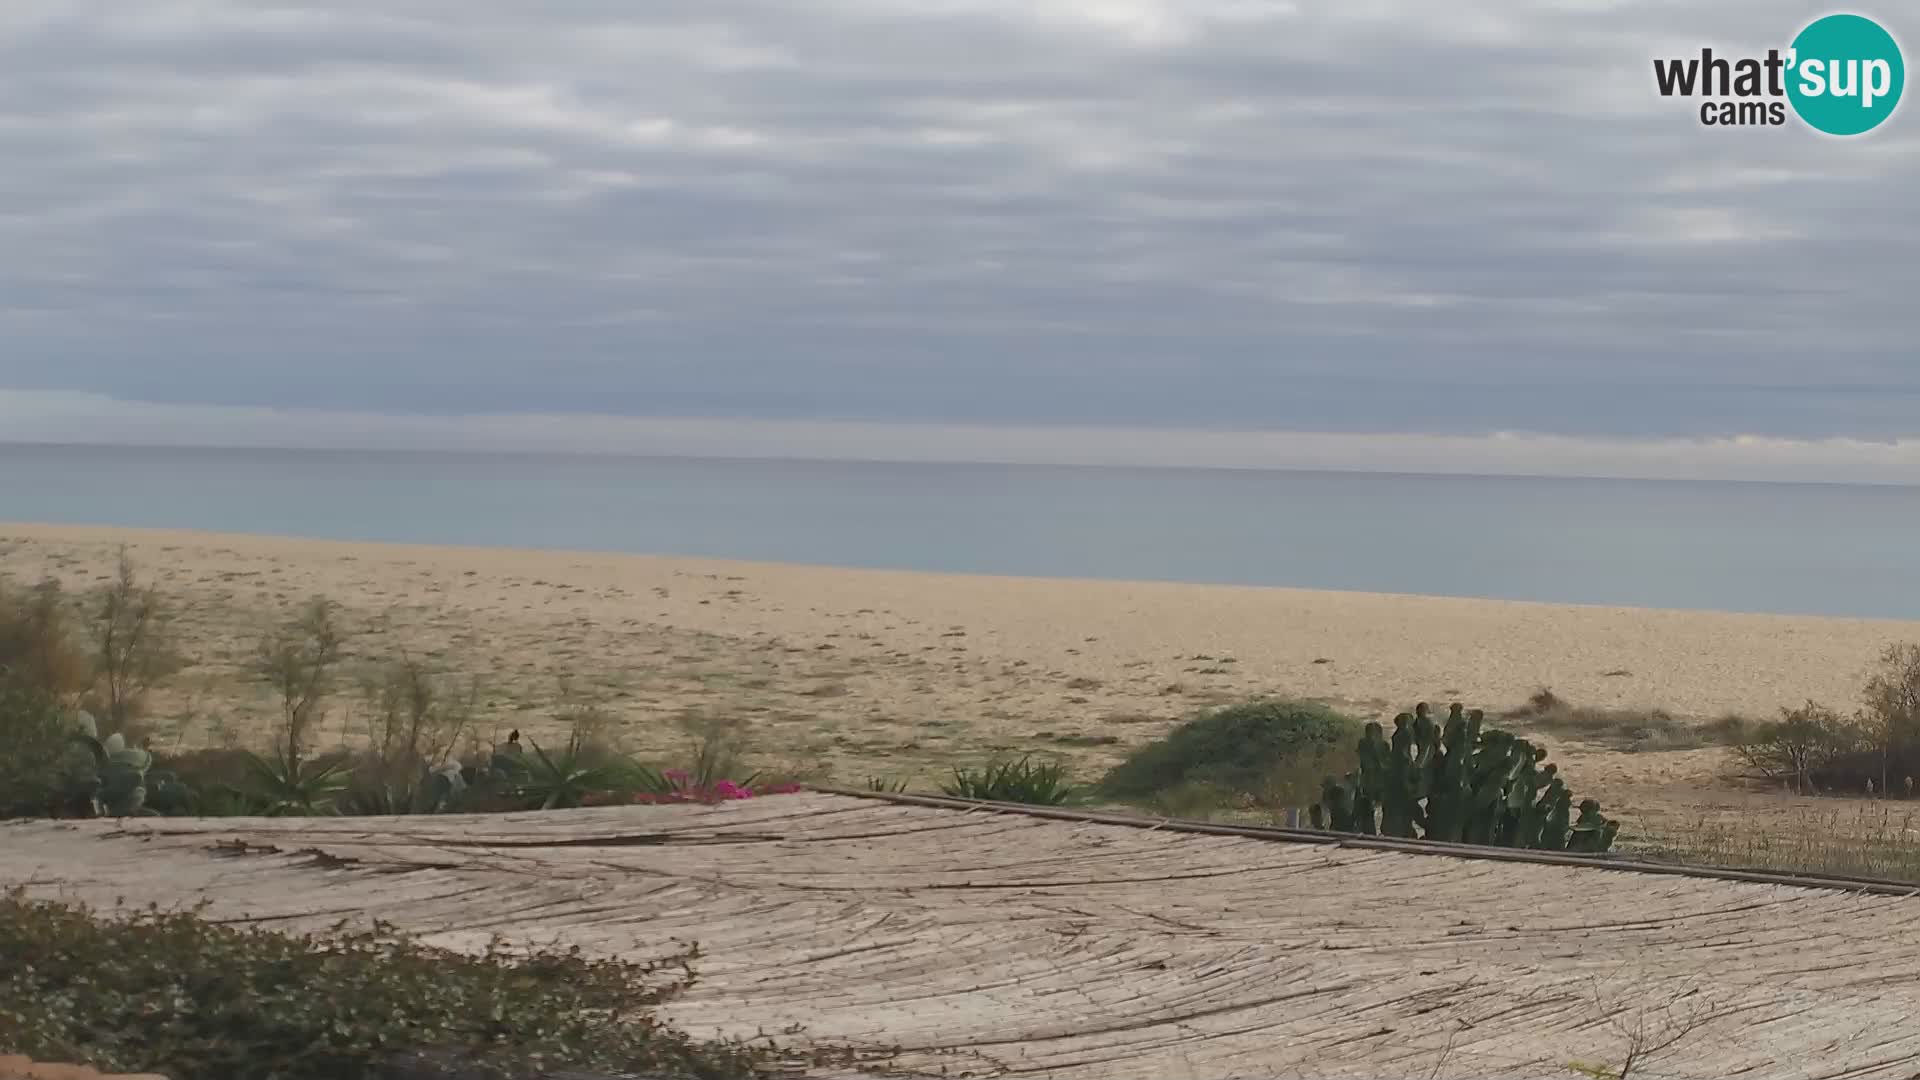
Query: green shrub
x=168, y=992
x=38, y=744
x=1267, y=752
x=213, y=782
x=57, y=764
x=1023, y=781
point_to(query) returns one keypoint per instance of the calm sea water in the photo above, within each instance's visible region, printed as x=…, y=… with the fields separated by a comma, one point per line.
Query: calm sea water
x=1796, y=548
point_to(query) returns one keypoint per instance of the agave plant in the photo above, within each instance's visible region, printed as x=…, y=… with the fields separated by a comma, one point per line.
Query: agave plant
x=1021, y=781
x=564, y=779
x=292, y=787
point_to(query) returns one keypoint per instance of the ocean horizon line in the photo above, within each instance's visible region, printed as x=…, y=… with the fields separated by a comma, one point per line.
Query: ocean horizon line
x=592, y=455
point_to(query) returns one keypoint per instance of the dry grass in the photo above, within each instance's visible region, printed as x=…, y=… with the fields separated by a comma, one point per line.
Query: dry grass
x=1857, y=838
x=1628, y=730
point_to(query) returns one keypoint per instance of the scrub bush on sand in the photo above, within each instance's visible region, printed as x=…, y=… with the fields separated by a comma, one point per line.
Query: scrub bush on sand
x=1264, y=753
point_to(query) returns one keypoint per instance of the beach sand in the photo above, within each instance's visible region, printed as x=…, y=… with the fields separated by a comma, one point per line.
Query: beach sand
x=847, y=674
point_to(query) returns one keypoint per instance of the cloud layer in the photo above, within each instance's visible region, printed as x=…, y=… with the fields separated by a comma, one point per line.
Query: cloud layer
x=1352, y=216
x=66, y=417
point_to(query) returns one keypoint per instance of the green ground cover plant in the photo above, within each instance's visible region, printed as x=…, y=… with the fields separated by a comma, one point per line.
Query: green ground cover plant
x=173, y=993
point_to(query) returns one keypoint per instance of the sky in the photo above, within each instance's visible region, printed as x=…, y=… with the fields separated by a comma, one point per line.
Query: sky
x=1468, y=234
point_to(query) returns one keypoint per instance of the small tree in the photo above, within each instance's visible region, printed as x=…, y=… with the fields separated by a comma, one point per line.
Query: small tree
x=299, y=662
x=1892, y=705
x=132, y=637
x=1803, y=745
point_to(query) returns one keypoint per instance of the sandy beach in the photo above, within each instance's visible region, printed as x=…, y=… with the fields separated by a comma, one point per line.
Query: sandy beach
x=854, y=673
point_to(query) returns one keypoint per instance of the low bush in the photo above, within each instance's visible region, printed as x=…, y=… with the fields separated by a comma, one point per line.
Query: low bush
x=169, y=992
x=1260, y=753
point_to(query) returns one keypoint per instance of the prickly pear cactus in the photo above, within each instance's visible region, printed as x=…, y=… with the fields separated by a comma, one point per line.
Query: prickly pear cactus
x=166, y=794
x=444, y=784
x=123, y=779
x=1460, y=782
x=111, y=779
x=1593, y=831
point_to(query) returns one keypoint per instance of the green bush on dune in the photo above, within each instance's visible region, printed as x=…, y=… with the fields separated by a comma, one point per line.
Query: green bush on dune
x=1267, y=752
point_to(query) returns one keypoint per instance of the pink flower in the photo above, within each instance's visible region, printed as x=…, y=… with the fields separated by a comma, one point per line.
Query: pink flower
x=723, y=791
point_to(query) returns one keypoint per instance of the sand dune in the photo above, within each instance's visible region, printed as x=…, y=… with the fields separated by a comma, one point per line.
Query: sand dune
x=862, y=672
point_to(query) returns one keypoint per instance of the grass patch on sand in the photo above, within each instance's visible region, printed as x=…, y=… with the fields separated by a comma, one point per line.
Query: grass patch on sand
x=1861, y=839
x=1628, y=730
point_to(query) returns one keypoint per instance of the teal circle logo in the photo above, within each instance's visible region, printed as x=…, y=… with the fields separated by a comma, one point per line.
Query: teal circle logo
x=1845, y=74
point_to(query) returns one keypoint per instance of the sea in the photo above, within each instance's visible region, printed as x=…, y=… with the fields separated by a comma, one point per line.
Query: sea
x=1792, y=548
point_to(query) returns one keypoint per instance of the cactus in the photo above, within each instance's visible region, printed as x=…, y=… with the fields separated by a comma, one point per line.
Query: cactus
x=1593, y=832
x=166, y=794
x=116, y=784
x=1337, y=800
x=123, y=780
x=1461, y=782
x=444, y=784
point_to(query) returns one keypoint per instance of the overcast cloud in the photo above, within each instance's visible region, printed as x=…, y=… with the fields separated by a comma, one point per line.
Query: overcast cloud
x=1337, y=216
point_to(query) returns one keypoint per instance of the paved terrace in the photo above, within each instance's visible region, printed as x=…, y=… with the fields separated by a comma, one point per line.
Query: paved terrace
x=989, y=942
